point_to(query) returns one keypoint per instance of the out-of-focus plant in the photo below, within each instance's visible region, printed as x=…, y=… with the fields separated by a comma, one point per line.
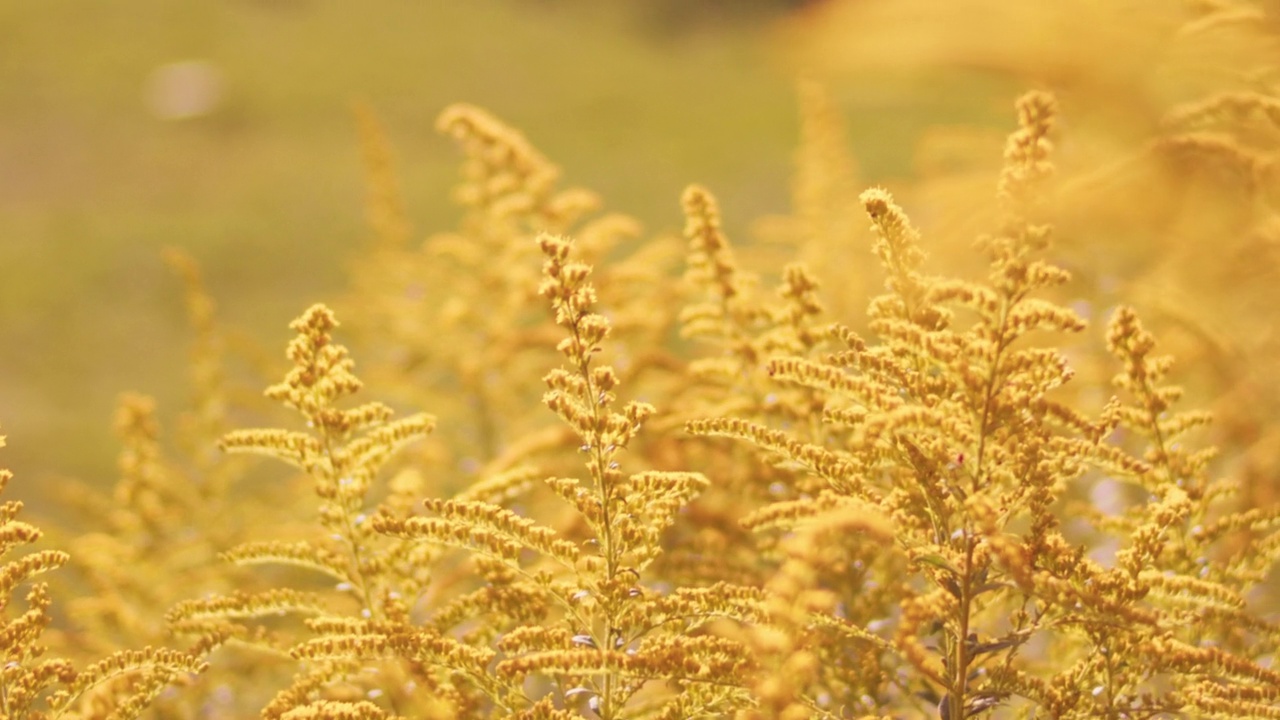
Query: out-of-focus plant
x=1167, y=182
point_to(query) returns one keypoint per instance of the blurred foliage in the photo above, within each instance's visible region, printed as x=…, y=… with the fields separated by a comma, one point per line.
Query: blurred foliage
x=1169, y=195
x=264, y=188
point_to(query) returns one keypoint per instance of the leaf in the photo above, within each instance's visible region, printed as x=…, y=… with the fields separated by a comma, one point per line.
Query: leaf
x=981, y=703
x=1008, y=641
x=989, y=586
x=951, y=586
x=937, y=561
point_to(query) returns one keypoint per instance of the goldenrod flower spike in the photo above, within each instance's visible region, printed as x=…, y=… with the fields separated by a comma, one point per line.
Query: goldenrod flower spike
x=343, y=449
x=35, y=684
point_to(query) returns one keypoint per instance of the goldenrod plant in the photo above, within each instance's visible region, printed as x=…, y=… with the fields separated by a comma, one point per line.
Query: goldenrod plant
x=949, y=449
x=341, y=452
x=725, y=492
x=37, y=684
x=609, y=643
x=173, y=509
x=1167, y=193
x=449, y=311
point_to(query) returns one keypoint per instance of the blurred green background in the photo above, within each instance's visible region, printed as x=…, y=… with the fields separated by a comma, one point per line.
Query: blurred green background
x=225, y=129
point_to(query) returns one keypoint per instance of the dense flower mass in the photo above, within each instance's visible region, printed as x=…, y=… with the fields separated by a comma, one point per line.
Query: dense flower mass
x=655, y=487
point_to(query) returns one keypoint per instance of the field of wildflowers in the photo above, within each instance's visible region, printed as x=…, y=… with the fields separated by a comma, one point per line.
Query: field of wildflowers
x=991, y=436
